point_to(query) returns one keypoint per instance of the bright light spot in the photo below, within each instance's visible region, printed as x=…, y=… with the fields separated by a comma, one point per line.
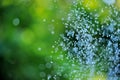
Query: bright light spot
x=44, y=20
x=53, y=20
x=52, y=32
x=39, y=49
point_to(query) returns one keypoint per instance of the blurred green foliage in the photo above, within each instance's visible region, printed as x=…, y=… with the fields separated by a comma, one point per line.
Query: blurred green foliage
x=26, y=38
x=28, y=29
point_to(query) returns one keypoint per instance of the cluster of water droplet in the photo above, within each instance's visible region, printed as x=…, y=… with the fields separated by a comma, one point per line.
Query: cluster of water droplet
x=93, y=43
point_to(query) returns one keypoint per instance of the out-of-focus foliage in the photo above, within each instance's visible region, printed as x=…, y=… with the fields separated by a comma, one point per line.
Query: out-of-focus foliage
x=28, y=30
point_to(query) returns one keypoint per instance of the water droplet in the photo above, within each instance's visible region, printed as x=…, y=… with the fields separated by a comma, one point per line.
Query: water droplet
x=42, y=74
x=49, y=76
x=16, y=21
x=48, y=65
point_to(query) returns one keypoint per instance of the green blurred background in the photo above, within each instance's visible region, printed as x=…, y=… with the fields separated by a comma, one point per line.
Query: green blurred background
x=28, y=31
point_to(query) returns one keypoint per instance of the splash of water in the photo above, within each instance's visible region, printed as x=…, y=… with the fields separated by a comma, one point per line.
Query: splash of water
x=92, y=43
